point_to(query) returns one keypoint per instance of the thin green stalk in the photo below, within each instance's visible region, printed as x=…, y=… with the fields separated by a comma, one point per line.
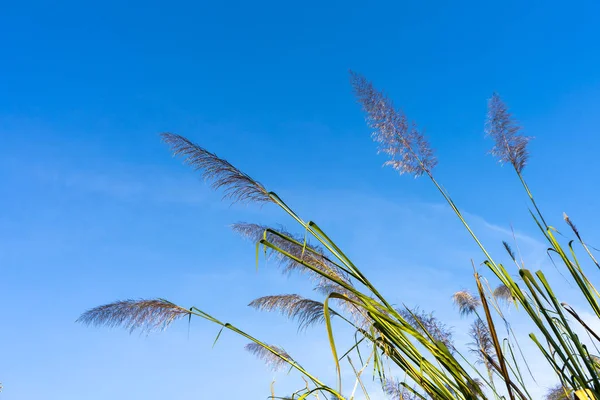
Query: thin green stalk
x=495, y=340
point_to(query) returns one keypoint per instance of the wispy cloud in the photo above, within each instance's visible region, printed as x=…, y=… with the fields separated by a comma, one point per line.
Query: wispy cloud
x=127, y=183
x=99, y=183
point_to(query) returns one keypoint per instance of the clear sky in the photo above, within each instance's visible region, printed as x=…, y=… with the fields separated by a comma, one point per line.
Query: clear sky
x=94, y=209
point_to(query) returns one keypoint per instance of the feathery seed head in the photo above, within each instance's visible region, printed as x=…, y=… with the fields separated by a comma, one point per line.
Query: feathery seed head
x=308, y=312
x=510, y=251
x=308, y=253
x=482, y=345
x=466, y=302
x=427, y=323
x=275, y=357
x=510, y=146
x=571, y=225
x=145, y=315
x=237, y=185
x=502, y=292
x=397, y=390
x=407, y=149
x=558, y=392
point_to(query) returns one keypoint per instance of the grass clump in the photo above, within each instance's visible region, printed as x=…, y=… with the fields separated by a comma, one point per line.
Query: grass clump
x=412, y=341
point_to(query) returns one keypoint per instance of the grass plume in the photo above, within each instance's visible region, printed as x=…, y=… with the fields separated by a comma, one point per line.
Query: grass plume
x=502, y=292
x=557, y=392
x=509, y=145
x=237, y=186
x=275, y=357
x=297, y=247
x=144, y=315
x=395, y=390
x=407, y=149
x=428, y=324
x=466, y=302
x=307, y=312
x=482, y=345
x=571, y=225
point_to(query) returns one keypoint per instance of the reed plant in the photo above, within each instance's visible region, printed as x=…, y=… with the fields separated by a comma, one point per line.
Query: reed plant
x=418, y=345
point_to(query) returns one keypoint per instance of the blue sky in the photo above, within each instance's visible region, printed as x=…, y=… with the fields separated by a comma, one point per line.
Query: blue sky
x=94, y=209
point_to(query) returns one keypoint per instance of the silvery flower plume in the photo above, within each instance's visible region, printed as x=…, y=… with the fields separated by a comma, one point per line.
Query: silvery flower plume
x=571, y=225
x=144, y=315
x=428, y=324
x=502, y=292
x=510, y=146
x=314, y=256
x=407, y=148
x=510, y=251
x=237, y=185
x=311, y=255
x=482, y=346
x=308, y=253
x=466, y=302
x=395, y=390
x=558, y=392
x=275, y=357
x=307, y=312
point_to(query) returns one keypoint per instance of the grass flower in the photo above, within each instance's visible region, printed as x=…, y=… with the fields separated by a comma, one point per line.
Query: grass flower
x=237, y=185
x=510, y=146
x=144, y=315
x=400, y=139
